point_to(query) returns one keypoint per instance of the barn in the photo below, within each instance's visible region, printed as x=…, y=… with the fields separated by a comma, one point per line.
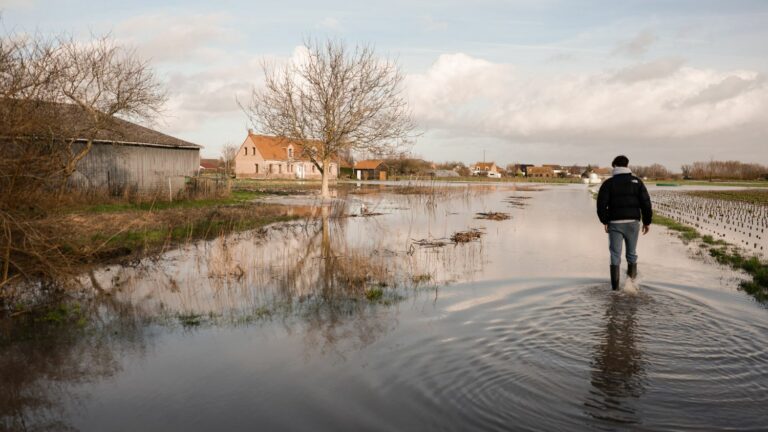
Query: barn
x=125, y=158
x=371, y=169
x=129, y=159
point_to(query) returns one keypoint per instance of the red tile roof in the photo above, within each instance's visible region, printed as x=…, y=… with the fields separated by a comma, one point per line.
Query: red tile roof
x=370, y=164
x=276, y=148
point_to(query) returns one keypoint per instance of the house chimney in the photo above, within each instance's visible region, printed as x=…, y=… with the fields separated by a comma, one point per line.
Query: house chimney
x=250, y=131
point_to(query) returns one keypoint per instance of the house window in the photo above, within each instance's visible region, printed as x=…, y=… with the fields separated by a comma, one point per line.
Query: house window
x=271, y=169
x=290, y=153
x=253, y=151
x=257, y=168
x=280, y=169
x=246, y=151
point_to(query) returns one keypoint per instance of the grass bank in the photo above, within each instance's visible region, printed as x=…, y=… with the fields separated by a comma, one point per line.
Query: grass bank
x=725, y=254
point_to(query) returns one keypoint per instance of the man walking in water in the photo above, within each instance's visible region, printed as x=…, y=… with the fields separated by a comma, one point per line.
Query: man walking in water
x=622, y=202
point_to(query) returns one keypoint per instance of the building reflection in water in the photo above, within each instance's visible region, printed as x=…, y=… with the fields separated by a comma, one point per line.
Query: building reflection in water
x=617, y=368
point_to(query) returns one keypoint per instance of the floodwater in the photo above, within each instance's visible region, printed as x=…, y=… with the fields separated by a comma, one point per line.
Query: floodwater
x=275, y=329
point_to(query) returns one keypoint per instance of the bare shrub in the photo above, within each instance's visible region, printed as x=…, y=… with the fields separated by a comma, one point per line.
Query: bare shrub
x=56, y=97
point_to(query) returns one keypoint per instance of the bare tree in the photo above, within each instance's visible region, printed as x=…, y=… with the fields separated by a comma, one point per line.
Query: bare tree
x=332, y=101
x=56, y=96
x=228, y=153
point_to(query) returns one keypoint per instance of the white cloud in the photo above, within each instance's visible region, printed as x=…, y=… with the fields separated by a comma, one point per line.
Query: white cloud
x=472, y=96
x=651, y=70
x=170, y=37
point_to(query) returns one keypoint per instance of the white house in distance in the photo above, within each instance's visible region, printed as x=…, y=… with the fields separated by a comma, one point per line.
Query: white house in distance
x=262, y=156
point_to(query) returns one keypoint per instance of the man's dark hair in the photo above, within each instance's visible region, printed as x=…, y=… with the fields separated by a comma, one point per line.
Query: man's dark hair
x=620, y=161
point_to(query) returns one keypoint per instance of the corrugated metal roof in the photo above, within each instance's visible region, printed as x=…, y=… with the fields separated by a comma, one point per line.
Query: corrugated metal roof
x=80, y=126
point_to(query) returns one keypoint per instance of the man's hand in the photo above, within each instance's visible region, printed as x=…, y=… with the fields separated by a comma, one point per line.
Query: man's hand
x=646, y=228
x=606, y=227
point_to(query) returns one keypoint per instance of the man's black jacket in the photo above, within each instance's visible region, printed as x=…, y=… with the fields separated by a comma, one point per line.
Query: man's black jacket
x=623, y=197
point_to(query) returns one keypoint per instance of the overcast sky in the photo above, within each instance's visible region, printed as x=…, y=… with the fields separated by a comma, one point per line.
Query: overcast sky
x=535, y=81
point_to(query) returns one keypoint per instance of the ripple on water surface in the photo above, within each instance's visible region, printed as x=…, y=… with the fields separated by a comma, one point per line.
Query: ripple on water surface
x=557, y=355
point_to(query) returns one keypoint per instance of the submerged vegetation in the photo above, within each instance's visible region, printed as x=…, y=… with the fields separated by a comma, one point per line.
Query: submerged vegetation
x=494, y=216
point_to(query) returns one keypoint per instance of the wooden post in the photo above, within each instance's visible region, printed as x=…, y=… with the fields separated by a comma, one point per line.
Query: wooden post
x=170, y=192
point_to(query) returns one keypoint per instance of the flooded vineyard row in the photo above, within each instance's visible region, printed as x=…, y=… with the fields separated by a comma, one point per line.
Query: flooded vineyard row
x=739, y=223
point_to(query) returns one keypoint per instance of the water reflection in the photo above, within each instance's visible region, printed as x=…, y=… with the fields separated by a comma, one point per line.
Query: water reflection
x=42, y=360
x=258, y=326
x=617, y=368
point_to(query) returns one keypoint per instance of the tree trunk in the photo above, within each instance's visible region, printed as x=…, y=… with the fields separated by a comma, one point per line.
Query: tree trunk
x=324, y=191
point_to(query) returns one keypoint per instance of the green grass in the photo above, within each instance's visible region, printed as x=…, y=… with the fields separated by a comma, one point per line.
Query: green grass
x=709, y=240
x=739, y=183
x=203, y=229
x=753, y=266
x=726, y=254
x=686, y=232
x=752, y=196
x=374, y=294
x=236, y=197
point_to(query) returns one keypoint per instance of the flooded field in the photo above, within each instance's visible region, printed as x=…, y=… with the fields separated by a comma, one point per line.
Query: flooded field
x=739, y=223
x=375, y=315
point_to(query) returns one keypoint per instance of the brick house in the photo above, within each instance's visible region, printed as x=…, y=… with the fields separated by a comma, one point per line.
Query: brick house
x=485, y=167
x=262, y=156
x=541, y=172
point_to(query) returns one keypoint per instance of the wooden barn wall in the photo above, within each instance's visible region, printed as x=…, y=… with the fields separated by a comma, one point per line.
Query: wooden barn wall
x=135, y=169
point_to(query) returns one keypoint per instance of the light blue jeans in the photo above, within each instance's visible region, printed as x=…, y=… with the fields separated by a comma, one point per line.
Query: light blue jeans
x=620, y=233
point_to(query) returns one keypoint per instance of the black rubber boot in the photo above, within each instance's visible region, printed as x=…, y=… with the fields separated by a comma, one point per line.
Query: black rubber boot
x=615, y=273
x=632, y=270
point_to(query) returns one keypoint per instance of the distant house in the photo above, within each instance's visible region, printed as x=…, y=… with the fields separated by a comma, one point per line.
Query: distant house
x=557, y=169
x=262, y=156
x=371, y=169
x=125, y=158
x=209, y=165
x=541, y=172
x=484, y=168
x=603, y=173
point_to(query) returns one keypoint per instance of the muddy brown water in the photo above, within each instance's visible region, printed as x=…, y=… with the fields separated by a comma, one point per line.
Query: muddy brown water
x=517, y=331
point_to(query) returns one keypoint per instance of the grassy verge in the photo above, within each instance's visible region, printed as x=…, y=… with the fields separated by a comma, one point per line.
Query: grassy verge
x=753, y=266
x=726, y=254
x=166, y=235
x=686, y=232
x=236, y=197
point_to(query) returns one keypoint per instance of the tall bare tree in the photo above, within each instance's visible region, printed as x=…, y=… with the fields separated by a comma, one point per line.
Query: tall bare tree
x=56, y=96
x=334, y=100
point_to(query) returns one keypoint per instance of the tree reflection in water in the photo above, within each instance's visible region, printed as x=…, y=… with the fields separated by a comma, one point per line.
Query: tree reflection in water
x=617, y=369
x=43, y=358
